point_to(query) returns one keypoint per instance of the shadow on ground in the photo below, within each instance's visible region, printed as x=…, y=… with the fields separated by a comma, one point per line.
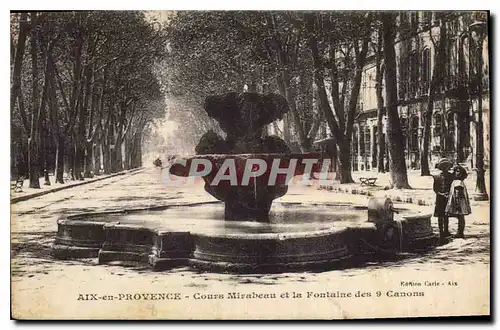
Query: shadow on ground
x=31, y=254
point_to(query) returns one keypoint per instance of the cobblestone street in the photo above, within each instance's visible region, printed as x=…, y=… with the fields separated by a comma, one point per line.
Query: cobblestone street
x=36, y=275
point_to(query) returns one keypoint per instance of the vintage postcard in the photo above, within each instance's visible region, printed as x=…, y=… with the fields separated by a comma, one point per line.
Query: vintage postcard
x=249, y=165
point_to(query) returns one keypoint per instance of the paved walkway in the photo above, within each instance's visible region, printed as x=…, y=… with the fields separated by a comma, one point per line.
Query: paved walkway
x=421, y=194
x=28, y=193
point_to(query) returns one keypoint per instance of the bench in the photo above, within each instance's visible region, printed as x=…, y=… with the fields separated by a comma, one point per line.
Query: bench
x=18, y=185
x=68, y=176
x=367, y=181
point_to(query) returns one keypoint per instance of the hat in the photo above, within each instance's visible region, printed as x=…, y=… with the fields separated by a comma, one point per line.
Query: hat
x=462, y=173
x=444, y=164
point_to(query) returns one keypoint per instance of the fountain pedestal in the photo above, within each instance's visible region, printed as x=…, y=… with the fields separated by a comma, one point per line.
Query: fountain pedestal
x=251, y=200
x=235, y=210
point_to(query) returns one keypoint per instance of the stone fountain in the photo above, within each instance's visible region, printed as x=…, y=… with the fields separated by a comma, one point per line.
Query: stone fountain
x=244, y=231
x=243, y=117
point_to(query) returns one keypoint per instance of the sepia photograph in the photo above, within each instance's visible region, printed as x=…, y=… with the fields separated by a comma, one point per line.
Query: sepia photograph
x=250, y=164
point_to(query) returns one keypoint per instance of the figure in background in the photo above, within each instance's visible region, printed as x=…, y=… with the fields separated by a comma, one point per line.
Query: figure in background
x=157, y=162
x=442, y=184
x=458, y=205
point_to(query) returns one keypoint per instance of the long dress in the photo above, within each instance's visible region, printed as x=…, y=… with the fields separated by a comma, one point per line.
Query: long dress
x=458, y=200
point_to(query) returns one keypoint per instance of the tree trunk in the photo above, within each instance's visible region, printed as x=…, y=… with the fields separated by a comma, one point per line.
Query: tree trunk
x=137, y=161
x=343, y=142
x=380, y=107
x=60, y=159
x=110, y=146
x=84, y=145
x=463, y=130
x=424, y=158
x=45, y=132
x=344, y=168
x=34, y=136
x=34, y=170
x=119, y=156
x=283, y=82
x=89, y=163
x=387, y=154
x=71, y=159
x=58, y=135
x=463, y=117
x=80, y=140
x=127, y=155
x=285, y=90
x=79, y=158
x=380, y=141
x=106, y=152
x=99, y=146
x=97, y=158
x=112, y=160
x=341, y=129
x=396, y=149
x=17, y=69
x=116, y=156
x=121, y=133
x=286, y=129
x=436, y=81
x=45, y=158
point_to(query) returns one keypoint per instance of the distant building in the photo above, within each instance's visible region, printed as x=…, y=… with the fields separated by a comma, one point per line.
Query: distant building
x=455, y=108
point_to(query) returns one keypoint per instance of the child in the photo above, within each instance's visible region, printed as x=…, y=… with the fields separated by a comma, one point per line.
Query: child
x=458, y=200
x=442, y=183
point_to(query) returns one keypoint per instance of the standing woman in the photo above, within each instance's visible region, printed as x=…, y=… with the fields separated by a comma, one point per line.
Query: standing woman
x=458, y=205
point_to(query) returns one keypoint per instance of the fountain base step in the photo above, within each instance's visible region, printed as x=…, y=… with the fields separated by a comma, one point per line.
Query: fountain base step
x=229, y=267
x=122, y=257
x=63, y=252
x=166, y=263
x=161, y=249
x=137, y=258
x=77, y=239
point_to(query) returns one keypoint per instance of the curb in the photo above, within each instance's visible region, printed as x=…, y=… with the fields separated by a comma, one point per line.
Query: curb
x=395, y=198
x=48, y=191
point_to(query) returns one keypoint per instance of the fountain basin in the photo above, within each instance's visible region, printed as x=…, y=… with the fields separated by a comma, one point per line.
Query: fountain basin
x=271, y=252
x=299, y=237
